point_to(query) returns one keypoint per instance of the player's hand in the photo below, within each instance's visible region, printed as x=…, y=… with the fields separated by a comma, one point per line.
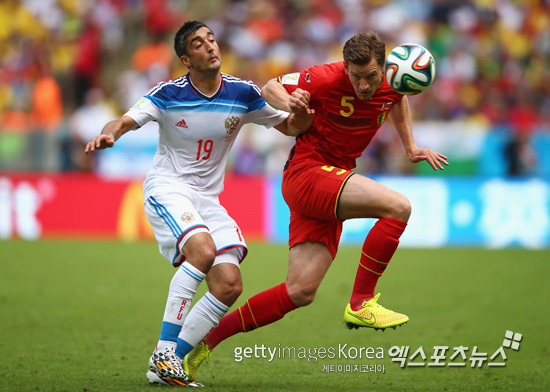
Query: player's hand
x=303, y=120
x=100, y=142
x=298, y=101
x=435, y=159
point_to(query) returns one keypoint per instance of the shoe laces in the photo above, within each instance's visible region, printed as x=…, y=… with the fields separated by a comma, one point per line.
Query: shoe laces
x=170, y=356
x=207, y=355
x=200, y=353
x=372, y=303
x=206, y=351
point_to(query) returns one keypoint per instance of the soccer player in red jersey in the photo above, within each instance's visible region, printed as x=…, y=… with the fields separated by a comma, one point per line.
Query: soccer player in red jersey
x=350, y=99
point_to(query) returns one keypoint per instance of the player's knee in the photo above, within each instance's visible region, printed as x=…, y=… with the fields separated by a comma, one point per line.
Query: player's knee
x=206, y=255
x=202, y=257
x=225, y=288
x=302, y=295
x=231, y=289
x=401, y=208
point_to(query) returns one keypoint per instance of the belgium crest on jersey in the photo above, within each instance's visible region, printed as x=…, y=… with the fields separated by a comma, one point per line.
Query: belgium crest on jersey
x=231, y=123
x=381, y=117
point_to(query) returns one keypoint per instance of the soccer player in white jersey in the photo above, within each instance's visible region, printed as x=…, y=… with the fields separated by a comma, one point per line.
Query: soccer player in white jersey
x=199, y=117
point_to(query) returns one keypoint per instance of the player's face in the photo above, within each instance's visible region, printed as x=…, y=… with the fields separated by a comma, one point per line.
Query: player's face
x=204, y=53
x=365, y=79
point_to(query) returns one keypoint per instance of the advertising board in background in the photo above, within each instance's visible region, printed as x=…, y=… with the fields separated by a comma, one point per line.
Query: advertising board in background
x=478, y=212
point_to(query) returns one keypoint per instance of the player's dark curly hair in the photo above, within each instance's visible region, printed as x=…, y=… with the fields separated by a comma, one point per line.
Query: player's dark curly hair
x=362, y=47
x=180, y=41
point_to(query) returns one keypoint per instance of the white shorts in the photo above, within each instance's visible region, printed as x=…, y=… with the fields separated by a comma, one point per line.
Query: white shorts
x=177, y=212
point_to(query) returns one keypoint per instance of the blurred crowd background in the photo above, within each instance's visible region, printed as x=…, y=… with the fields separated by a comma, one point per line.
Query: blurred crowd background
x=70, y=66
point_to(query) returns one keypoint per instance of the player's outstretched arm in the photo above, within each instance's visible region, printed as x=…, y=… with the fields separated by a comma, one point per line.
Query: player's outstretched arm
x=277, y=96
x=110, y=133
x=401, y=118
x=296, y=103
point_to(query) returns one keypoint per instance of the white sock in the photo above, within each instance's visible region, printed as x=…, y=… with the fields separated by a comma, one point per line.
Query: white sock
x=205, y=315
x=182, y=290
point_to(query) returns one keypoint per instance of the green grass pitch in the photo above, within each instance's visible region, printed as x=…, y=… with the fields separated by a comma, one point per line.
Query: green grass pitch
x=85, y=316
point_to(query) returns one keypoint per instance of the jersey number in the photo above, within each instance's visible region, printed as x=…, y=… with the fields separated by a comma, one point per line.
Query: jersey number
x=205, y=149
x=331, y=168
x=347, y=105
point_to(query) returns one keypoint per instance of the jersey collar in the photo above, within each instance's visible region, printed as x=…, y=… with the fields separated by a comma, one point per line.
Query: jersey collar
x=197, y=91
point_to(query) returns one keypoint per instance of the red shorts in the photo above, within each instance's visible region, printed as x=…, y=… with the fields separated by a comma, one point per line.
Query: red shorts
x=312, y=191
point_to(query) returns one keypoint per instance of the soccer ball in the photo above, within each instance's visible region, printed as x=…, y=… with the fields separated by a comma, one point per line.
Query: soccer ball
x=410, y=69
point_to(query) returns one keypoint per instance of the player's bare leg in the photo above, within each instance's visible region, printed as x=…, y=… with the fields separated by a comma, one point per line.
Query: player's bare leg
x=308, y=264
x=225, y=283
x=200, y=251
x=366, y=198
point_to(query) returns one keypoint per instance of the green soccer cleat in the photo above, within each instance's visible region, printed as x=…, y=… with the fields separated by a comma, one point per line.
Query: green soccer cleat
x=194, y=358
x=373, y=315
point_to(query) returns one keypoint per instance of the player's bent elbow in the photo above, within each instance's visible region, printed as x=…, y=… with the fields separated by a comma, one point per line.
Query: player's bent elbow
x=265, y=89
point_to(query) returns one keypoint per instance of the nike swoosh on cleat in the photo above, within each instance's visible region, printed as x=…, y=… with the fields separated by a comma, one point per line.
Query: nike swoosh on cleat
x=369, y=320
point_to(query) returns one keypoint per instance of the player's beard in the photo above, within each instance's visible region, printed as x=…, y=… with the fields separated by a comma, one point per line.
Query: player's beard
x=211, y=69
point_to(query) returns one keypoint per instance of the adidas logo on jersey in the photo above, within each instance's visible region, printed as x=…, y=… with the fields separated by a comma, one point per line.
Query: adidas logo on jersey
x=181, y=124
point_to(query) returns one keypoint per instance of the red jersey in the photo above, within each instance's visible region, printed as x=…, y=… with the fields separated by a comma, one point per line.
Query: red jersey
x=343, y=125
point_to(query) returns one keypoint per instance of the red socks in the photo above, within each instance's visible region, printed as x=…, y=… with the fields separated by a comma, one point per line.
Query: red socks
x=260, y=310
x=378, y=249
x=271, y=305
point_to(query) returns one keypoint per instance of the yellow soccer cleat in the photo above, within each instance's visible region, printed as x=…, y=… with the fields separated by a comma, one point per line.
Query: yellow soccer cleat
x=373, y=315
x=194, y=358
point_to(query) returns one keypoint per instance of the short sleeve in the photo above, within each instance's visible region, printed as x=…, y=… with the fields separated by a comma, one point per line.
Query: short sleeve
x=267, y=116
x=312, y=80
x=144, y=111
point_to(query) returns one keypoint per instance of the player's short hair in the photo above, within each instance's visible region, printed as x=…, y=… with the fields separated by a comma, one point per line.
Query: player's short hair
x=180, y=41
x=362, y=47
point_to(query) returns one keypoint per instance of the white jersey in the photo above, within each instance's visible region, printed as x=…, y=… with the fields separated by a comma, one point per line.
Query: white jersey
x=196, y=132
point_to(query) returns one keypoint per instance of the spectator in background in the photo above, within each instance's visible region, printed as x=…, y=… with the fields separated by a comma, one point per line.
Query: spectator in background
x=85, y=122
x=153, y=59
x=161, y=16
x=486, y=51
x=87, y=63
x=523, y=121
x=44, y=121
